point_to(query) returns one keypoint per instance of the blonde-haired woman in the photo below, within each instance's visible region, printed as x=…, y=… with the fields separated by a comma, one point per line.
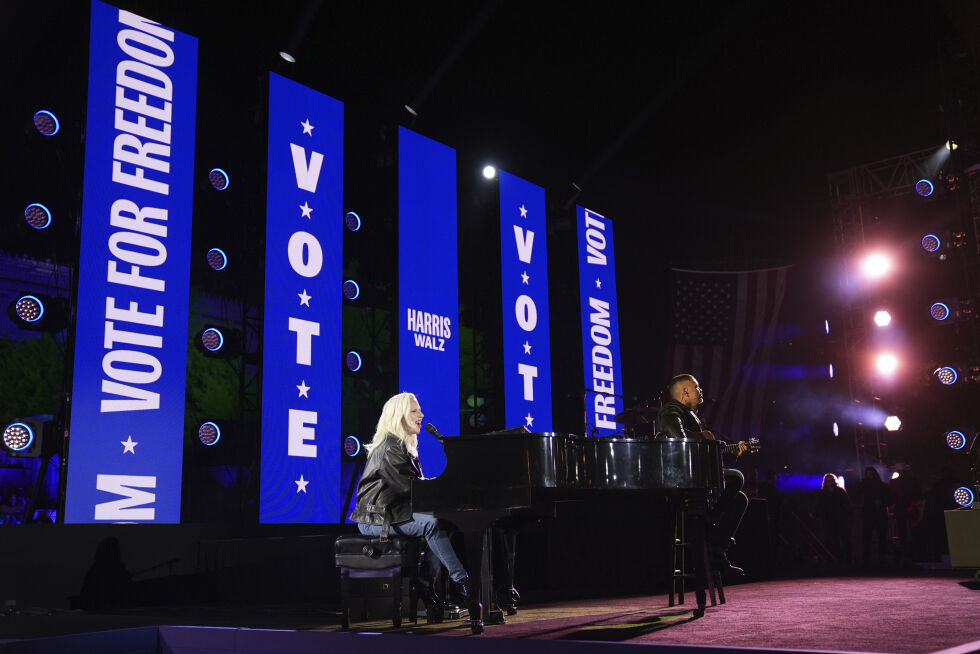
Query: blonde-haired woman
x=385, y=491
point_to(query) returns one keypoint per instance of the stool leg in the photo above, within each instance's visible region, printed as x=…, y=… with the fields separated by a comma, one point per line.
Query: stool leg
x=709, y=575
x=721, y=587
x=345, y=598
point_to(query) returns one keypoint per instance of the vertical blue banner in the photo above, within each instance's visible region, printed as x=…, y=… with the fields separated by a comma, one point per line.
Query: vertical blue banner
x=600, y=322
x=127, y=413
x=301, y=359
x=428, y=287
x=524, y=284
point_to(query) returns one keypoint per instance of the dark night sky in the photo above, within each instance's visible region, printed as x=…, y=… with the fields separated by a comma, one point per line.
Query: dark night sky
x=705, y=130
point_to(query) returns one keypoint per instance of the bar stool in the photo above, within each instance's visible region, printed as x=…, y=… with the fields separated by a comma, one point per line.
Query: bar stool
x=371, y=557
x=681, y=571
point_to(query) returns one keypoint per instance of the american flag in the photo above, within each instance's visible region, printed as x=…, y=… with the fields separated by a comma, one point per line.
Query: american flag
x=723, y=326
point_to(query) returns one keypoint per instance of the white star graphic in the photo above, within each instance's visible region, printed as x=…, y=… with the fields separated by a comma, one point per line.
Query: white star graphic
x=527, y=347
x=524, y=277
x=598, y=283
x=303, y=389
x=529, y=419
x=307, y=127
x=306, y=209
x=301, y=484
x=129, y=445
x=304, y=299
x=523, y=211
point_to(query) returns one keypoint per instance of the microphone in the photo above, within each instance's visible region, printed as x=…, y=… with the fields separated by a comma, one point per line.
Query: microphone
x=429, y=427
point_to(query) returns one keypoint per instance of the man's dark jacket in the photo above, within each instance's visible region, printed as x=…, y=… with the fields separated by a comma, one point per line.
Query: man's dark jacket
x=385, y=491
x=674, y=420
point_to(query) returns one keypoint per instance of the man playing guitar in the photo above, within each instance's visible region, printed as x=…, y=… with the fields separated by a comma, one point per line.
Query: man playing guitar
x=677, y=419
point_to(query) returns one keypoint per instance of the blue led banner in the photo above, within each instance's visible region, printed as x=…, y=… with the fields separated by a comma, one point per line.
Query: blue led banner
x=600, y=323
x=301, y=363
x=428, y=287
x=127, y=415
x=524, y=284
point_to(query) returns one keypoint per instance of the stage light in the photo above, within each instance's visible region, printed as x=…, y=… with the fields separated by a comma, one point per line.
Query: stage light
x=951, y=145
x=892, y=423
x=352, y=221
x=212, y=339
x=219, y=179
x=18, y=436
x=876, y=265
x=955, y=439
x=924, y=188
x=38, y=312
x=946, y=375
x=836, y=430
x=29, y=308
x=895, y=475
x=826, y=327
x=22, y=438
x=37, y=215
x=939, y=311
x=489, y=172
x=963, y=496
x=288, y=57
x=351, y=290
x=46, y=123
x=412, y=111
x=353, y=361
x=209, y=433
x=830, y=370
x=931, y=243
x=352, y=446
x=217, y=259
x=886, y=363
x=882, y=318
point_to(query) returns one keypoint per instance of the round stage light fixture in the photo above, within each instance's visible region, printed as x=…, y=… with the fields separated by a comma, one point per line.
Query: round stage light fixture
x=287, y=57
x=489, y=172
x=882, y=318
x=209, y=433
x=963, y=496
x=46, y=123
x=836, y=430
x=29, y=308
x=946, y=375
x=352, y=221
x=955, y=439
x=924, y=188
x=876, y=265
x=352, y=446
x=951, y=145
x=217, y=259
x=219, y=179
x=931, y=243
x=351, y=290
x=37, y=215
x=18, y=436
x=353, y=361
x=939, y=311
x=893, y=423
x=212, y=339
x=886, y=363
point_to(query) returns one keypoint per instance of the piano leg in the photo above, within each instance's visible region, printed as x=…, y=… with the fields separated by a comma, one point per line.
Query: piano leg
x=507, y=596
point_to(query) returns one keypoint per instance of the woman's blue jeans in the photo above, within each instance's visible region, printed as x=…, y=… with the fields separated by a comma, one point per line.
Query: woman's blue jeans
x=427, y=526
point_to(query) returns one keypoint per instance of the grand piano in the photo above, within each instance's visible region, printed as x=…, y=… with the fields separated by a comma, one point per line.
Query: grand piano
x=493, y=476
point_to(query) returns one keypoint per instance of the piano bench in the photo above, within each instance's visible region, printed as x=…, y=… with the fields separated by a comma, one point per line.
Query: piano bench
x=368, y=557
x=681, y=568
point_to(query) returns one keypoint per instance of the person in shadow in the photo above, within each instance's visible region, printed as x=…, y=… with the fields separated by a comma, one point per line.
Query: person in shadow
x=834, y=516
x=874, y=500
x=107, y=583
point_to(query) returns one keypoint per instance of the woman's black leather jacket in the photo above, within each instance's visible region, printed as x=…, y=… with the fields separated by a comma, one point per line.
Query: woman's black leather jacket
x=384, y=493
